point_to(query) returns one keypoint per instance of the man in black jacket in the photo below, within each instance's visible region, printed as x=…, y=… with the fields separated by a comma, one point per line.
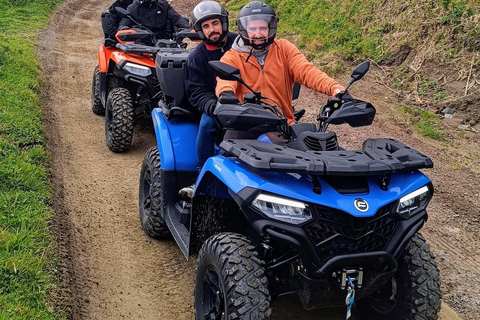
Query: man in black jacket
x=156, y=15
x=210, y=20
x=114, y=18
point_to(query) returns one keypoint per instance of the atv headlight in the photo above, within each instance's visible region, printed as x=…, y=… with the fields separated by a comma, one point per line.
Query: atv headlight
x=137, y=69
x=282, y=209
x=413, y=202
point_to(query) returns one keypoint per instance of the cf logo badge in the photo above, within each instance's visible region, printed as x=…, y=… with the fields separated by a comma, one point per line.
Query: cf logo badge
x=361, y=205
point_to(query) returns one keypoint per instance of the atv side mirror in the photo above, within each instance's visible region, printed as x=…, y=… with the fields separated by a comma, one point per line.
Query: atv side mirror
x=225, y=71
x=359, y=72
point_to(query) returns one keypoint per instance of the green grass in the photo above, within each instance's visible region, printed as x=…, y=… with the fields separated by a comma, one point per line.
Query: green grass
x=341, y=31
x=27, y=256
x=426, y=123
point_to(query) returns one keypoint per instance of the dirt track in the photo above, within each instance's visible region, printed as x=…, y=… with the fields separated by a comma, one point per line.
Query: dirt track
x=110, y=269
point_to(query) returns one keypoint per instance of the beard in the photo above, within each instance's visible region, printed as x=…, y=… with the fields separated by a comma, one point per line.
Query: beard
x=215, y=38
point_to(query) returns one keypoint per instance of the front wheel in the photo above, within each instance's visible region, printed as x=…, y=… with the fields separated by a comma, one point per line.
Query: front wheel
x=230, y=282
x=151, y=202
x=119, y=120
x=414, y=291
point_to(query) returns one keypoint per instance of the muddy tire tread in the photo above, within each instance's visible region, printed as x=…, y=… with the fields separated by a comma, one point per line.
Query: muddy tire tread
x=121, y=104
x=422, y=297
x=246, y=284
x=97, y=106
x=154, y=226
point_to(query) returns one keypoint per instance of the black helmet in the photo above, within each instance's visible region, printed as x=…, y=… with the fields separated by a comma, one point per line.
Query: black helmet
x=207, y=10
x=257, y=10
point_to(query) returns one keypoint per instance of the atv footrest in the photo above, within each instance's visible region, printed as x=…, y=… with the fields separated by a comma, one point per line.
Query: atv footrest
x=379, y=156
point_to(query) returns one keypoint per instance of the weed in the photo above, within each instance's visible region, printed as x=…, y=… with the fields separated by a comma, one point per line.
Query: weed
x=440, y=96
x=425, y=122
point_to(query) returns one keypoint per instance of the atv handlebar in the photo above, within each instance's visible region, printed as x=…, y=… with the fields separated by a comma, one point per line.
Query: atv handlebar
x=250, y=117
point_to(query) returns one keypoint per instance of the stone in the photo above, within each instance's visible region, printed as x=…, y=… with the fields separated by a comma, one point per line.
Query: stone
x=448, y=111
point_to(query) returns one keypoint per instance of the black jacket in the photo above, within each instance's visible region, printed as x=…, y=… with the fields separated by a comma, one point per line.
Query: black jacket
x=200, y=79
x=157, y=16
x=114, y=19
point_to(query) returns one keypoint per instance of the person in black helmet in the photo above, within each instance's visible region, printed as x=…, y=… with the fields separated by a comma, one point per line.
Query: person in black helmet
x=269, y=65
x=210, y=21
x=113, y=17
x=156, y=15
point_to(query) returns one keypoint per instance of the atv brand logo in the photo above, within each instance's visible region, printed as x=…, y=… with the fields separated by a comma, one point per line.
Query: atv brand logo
x=361, y=205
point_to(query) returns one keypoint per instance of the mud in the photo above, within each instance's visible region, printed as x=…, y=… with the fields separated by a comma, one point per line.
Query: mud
x=110, y=269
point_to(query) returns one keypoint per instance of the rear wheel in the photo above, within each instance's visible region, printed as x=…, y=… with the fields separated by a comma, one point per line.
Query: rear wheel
x=119, y=120
x=230, y=282
x=97, y=106
x=151, y=203
x=413, y=293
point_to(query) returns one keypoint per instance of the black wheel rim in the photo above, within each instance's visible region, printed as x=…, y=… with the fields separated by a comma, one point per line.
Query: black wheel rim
x=146, y=197
x=213, y=302
x=384, y=300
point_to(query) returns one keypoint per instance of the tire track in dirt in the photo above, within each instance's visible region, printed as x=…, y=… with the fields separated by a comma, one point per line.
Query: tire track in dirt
x=110, y=269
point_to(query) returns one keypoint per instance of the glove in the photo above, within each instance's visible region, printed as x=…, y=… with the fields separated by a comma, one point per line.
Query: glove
x=345, y=96
x=211, y=108
x=228, y=97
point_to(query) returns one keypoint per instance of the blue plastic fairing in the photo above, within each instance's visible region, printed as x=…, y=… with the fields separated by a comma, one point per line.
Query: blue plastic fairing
x=176, y=142
x=237, y=176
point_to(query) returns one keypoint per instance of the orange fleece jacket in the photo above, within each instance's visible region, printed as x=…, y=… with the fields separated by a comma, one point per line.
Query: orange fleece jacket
x=284, y=65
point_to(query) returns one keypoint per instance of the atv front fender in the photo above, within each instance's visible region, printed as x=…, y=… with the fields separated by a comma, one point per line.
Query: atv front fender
x=176, y=141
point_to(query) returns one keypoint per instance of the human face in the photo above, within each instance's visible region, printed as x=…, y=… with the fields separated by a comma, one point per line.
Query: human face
x=257, y=31
x=212, y=29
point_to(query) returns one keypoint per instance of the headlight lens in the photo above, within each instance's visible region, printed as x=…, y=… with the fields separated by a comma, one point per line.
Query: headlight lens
x=414, y=202
x=137, y=69
x=282, y=209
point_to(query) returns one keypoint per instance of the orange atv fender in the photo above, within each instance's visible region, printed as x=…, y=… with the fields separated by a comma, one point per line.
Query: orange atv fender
x=104, y=54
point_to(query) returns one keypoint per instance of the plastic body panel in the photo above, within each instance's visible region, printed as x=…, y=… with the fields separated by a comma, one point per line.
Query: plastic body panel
x=170, y=67
x=107, y=56
x=176, y=141
x=237, y=176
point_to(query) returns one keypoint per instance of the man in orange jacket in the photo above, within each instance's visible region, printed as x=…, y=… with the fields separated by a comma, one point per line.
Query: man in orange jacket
x=269, y=65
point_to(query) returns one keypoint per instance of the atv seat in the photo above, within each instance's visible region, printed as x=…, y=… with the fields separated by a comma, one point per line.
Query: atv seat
x=170, y=67
x=105, y=20
x=108, y=42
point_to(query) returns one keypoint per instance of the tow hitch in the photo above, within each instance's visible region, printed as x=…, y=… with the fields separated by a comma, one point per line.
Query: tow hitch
x=355, y=275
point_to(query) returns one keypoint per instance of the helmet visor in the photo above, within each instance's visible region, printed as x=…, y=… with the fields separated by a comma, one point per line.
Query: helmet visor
x=257, y=27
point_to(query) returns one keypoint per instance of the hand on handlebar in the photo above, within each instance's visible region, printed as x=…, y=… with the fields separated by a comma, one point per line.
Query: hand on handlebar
x=228, y=97
x=345, y=96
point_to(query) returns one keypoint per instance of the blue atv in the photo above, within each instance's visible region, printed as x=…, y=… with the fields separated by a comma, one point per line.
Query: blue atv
x=334, y=227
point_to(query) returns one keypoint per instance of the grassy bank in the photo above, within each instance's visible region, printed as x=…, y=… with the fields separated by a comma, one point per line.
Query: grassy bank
x=428, y=50
x=334, y=31
x=27, y=260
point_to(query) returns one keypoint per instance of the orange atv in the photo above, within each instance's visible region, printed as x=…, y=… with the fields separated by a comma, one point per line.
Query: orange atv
x=125, y=88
